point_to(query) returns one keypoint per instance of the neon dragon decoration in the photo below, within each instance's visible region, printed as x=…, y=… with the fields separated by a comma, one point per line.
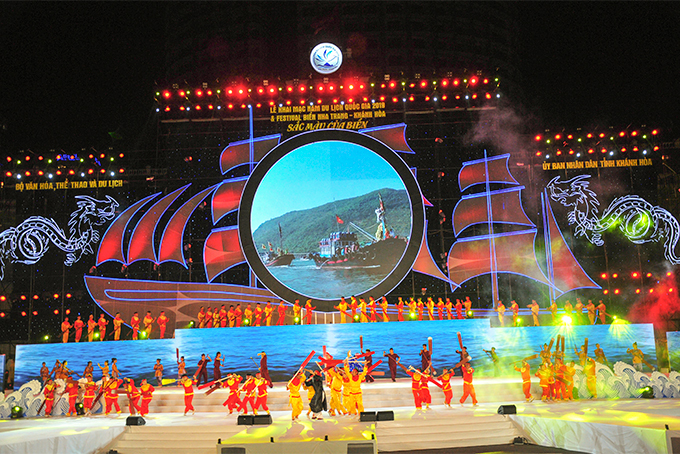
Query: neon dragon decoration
x=28, y=242
x=639, y=221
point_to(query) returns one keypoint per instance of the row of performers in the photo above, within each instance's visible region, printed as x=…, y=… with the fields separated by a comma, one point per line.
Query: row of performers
x=594, y=313
x=97, y=329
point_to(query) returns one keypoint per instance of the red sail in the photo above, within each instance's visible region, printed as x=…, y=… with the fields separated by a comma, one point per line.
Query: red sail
x=474, y=172
x=425, y=263
x=567, y=273
x=227, y=198
x=394, y=136
x=111, y=246
x=514, y=254
x=506, y=208
x=238, y=153
x=222, y=251
x=173, y=235
x=141, y=246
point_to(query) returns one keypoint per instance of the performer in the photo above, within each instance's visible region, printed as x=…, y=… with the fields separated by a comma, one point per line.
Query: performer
x=71, y=388
x=449, y=309
x=117, y=323
x=553, y=311
x=294, y=398
x=297, y=310
x=44, y=373
x=514, y=307
x=468, y=387
x=158, y=372
x=309, y=389
x=353, y=307
x=459, y=310
x=363, y=318
x=569, y=372
x=91, y=324
x=368, y=359
x=318, y=402
x=579, y=311
x=88, y=396
x=591, y=312
x=65, y=330
x=202, y=372
x=356, y=400
x=599, y=355
x=430, y=308
x=425, y=358
x=559, y=390
x=468, y=308
x=231, y=316
x=258, y=314
x=162, y=324
x=209, y=318
x=371, y=305
x=308, y=312
x=500, y=308
x=494, y=359
x=250, y=388
x=114, y=368
x=216, y=318
x=50, y=388
x=111, y=394
x=105, y=369
x=181, y=369
x=384, y=305
x=134, y=323
x=248, y=315
x=133, y=396
x=638, y=358
x=148, y=324
x=336, y=406
x=421, y=308
x=264, y=370
x=425, y=396
x=188, y=386
x=440, y=309
x=445, y=379
x=582, y=355
x=268, y=311
x=589, y=370
x=233, y=401
x=412, y=308
x=346, y=389
x=89, y=369
x=201, y=317
x=544, y=374
x=342, y=308
x=261, y=401
x=392, y=360
x=525, y=370
x=535, y=309
x=601, y=312
x=568, y=308
x=282, y=313
x=146, y=391
x=223, y=316
x=217, y=373
x=78, y=325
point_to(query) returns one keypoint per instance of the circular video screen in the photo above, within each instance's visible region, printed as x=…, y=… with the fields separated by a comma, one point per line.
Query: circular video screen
x=328, y=214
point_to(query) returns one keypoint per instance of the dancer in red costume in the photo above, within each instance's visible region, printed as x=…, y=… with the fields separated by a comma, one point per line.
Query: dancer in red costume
x=445, y=378
x=209, y=318
x=440, y=309
x=147, y=394
x=49, y=389
x=449, y=309
x=102, y=327
x=525, y=370
x=78, y=325
x=238, y=313
x=133, y=396
x=162, y=324
x=383, y=306
x=188, y=386
x=257, y=314
x=134, y=323
x=88, y=396
x=223, y=316
x=371, y=304
x=261, y=401
x=459, y=309
x=468, y=387
x=71, y=389
x=233, y=401
x=308, y=312
x=250, y=389
x=111, y=394
x=400, y=310
x=282, y=313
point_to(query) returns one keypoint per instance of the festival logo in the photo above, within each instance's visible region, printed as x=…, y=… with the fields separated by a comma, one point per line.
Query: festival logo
x=326, y=58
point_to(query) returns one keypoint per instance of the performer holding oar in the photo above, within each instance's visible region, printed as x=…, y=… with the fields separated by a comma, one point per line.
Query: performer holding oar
x=293, y=388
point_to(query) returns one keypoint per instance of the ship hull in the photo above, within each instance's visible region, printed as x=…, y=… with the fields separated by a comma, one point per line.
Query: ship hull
x=386, y=253
x=282, y=260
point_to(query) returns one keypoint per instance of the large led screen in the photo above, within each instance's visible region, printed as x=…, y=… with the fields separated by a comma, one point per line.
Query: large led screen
x=331, y=214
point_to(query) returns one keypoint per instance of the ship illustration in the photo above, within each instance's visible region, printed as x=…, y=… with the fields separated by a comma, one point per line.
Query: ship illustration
x=343, y=249
x=510, y=248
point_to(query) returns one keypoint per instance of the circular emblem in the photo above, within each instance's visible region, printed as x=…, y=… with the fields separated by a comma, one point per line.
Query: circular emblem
x=326, y=58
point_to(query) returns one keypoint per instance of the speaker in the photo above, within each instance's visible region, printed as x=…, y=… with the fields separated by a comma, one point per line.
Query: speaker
x=244, y=420
x=134, y=421
x=507, y=410
x=232, y=450
x=262, y=420
x=385, y=416
x=360, y=448
x=367, y=416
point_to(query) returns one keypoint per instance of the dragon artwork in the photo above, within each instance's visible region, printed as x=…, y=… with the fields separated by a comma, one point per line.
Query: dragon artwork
x=640, y=221
x=28, y=242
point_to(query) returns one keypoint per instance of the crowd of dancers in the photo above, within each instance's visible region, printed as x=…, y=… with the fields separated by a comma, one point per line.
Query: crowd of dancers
x=98, y=329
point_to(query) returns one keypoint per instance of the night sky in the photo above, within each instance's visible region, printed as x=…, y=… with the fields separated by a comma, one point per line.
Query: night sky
x=73, y=72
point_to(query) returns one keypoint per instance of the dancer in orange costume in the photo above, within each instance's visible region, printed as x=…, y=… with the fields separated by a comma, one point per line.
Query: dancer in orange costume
x=560, y=390
x=544, y=374
x=223, y=316
x=342, y=307
x=425, y=396
x=111, y=394
x=468, y=308
x=535, y=308
x=308, y=312
x=514, y=307
x=421, y=308
x=248, y=315
x=525, y=370
x=231, y=316
x=569, y=372
x=133, y=396
x=459, y=309
x=356, y=400
x=354, y=306
x=261, y=401
x=282, y=313
x=71, y=389
x=91, y=325
x=310, y=392
x=258, y=314
x=412, y=308
x=65, y=330
x=578, y=309
x=209, y=318
x=148, y=324
x=500, y=308
x=430, y=308
x=363, y=318
x=568, y=309
x=88, y=396
x=297, y=311
x=233, y=401
x=416, y=385
x=400, y=310
x=201, y=317
x=440, y=309
x=188, y=386
x=601, y=312
x=216, y=318
x=78, y=326
x=268, y=310
x=250, y=389
x=102, y=322
x=599, y=354
x=589, y=370
x=384, y=305
x=445, y=379
x=147, y=394
x=449, y=309
x=238, y=315
x=468, y=387
x=117, y=324
x=162, y=324
x=346, y=389
x=553, y=311
x=336, y=406
x=49, y=389
x=591, y=312
x=134, y=323
x=371, y=304
x=294, y=398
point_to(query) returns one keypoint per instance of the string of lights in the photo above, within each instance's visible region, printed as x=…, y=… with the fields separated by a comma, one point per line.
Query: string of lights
x=581, y=144
x=27, y=164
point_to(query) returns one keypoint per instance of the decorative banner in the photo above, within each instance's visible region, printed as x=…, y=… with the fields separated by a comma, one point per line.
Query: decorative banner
x=66, y=184
x=604, y=163
x=327, y=116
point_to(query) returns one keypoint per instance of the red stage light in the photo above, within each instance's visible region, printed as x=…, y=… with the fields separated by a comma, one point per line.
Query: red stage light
x=241, y=91
x=559, y=152
x=393, y=84
x=591, y=151
x=167, y=108
x=260, y=90
x=537, y=138
x=635, y=148
x=615, y=275
x=637, y=290
x=56, y=295
x=423, y=83
x=271, y=103
x=669, y=273
x=209, y=92
x=58, y=172
x=272, y=90
x=656, y=148
x=623, y=150
x=67, y=311
x=56, y=312
x=102, y=171
x=102, y=156
x=41, y=173
x=35, y=297
x=319, y=101
x=361, y=86
x=335, y=100
x=412, y=85
x=350, y=87
x=23, y=313
x=3, y=298
x=670, y=290
x=474, y=96
x=427, y=98
x=289, y=89
x=198, y=107
x=8, y=174
x=622, y=134
x=538, y=153
x=605, y=291
x=570, y=137
x=634, y=133
x=655, y=132
x=302, y=88
x=9, y=159
x=199, y=93
x=456, y=82
x=616, y=292
x=166, y=94
x=488, y=96
x=91, y=156
x=445, y=82
x=319, y=88
x=395, y=99
x=182, y=93
x=230, y=106
x=302, y=101
x=73, y=172
x=35, y=312
x=28, y=158
x=230, y=91
x=258, y=105
x=473, y=81
x=382, y=98
x=68, y=295
x=182, y=108
x=331, y=87
x=411, y=98
x=210, y=107
x=444, y=98
x=636, y=274
x=2, y=315
x=651, y=290
x=288, y=103
x=350, y=100
x=603, y=275
x=601, y=135
x=28, y=173
x=590, y=136
x=558, y=137
x=121, y=170
x=649, y=274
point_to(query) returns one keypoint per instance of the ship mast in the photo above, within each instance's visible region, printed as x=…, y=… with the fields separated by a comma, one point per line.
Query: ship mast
x=492, y=242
